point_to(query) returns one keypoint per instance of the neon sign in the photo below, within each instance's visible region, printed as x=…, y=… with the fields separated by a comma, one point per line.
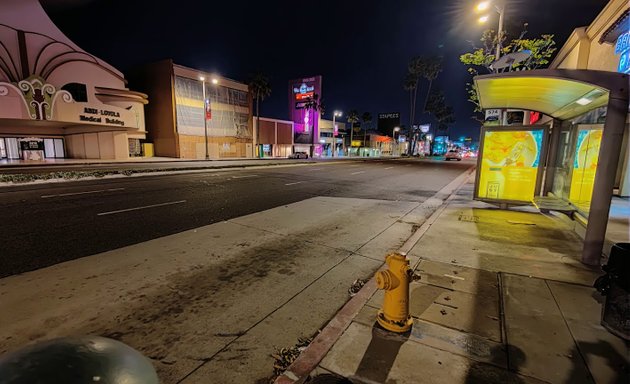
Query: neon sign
x=303, y=91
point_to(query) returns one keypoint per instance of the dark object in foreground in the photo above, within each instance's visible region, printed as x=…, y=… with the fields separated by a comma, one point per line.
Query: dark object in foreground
x=77, y=360
x=329, y=379
x=615, y=285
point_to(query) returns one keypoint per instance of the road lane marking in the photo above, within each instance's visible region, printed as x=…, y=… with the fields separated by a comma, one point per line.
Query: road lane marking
x=244, y=176
x=82, y=193
x=389, y=167
x=316, y=169
x=356, y=173
x=297, y=182
x=138, y=208
x=355, y=165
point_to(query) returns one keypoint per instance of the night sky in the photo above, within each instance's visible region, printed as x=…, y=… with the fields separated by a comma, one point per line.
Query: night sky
x=361, y=48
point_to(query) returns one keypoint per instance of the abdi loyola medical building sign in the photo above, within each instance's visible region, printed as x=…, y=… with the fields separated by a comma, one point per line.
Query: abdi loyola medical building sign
x=306, y=120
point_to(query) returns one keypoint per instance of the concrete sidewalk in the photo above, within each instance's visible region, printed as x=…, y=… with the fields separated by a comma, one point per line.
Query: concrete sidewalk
x=502, y=299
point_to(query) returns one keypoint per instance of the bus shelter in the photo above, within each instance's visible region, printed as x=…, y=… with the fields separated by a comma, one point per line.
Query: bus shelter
x=573, y=159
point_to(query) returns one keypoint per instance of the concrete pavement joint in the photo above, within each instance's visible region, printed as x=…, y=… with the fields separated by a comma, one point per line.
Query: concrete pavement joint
x=265, y=317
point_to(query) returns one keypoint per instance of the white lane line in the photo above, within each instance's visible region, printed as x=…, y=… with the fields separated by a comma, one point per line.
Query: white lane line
x=82, y=193
x=244, y=176
x=316, y=169
x=356, y=165
x=138, y=208
x=356, y=173
x=389, y=167
x=297, y=182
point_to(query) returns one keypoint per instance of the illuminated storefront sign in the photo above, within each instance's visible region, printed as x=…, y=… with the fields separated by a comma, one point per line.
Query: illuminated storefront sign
x=509, y=164
x=584, y=167
x=306, y=120
x=622, y=48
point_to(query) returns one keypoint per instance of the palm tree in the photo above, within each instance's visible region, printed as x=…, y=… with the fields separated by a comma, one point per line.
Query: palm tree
x=367, y=119
x=314, y=104
x=410, y=84
x=353, y=117
x=260, y=88
x=431, y=70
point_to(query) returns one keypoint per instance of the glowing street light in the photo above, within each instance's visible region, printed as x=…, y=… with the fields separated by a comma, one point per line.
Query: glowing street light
x=205, y=107
x=333, y=144
x=206, y=103
x=484, y=6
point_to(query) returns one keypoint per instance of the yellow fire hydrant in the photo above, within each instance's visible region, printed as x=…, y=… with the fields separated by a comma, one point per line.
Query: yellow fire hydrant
x=394, y=316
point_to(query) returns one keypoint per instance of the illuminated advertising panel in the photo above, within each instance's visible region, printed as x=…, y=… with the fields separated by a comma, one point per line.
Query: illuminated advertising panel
x=305, y=120
x=509, y=164
x=584, y=167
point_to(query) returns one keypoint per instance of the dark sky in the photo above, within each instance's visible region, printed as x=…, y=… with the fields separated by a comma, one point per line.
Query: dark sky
x=361, y=48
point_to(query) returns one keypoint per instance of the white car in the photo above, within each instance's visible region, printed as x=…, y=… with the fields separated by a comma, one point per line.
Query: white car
x=453, y=154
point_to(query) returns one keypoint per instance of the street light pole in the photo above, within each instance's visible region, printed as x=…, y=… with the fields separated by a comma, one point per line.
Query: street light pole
x=333, y=145
x=500, y=8
x=205, y=108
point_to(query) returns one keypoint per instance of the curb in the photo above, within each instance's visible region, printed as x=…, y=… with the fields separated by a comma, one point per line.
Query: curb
x=310, y=358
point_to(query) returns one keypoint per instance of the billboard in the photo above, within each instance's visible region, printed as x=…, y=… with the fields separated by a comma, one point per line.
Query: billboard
x=305, y=120
x=509, y=164
x=388, y=121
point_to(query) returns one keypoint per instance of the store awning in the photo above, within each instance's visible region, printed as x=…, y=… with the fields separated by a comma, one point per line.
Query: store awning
x=559, y=93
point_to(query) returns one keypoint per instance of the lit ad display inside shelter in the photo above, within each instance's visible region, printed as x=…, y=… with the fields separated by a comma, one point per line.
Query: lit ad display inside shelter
x=509, y=164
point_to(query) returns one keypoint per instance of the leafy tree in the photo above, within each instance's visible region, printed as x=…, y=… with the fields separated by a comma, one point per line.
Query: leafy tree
x=480, y=59
x=260, y=88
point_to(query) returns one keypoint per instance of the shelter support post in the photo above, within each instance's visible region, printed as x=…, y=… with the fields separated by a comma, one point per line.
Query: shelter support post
x=605, y=178
x=550, y=169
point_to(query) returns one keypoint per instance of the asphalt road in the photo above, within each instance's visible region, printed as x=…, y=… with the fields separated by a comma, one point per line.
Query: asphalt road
x=46, y=224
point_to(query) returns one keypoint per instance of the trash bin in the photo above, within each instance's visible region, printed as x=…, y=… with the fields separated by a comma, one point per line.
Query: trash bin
x=77, y=360
x=615, y=286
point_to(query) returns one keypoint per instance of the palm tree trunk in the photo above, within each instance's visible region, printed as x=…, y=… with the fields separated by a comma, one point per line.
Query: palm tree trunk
x=426, y=99
x=413, y=118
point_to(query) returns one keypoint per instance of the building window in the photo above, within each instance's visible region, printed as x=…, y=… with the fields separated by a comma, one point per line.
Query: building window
x=77, y=90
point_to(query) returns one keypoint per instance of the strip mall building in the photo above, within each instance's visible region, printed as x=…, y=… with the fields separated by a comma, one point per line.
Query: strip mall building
x=58, y=101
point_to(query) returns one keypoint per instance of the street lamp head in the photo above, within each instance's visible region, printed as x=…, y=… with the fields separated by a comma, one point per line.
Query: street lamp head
x=483, y=19
x=484, y=5
x=396, y=129
x=202, y=78
x=215, y=81
x=338, y=113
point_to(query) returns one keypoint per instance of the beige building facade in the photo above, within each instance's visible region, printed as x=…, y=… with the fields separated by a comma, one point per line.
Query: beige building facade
x=58, y=101
x=175, y=117
x=604, y=45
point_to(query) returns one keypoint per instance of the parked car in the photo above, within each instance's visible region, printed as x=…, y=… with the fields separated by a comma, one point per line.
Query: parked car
x=453, y=154
x=298, y=155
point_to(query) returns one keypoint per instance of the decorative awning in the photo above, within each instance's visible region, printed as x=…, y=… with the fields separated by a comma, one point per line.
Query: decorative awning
x=559, y=93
